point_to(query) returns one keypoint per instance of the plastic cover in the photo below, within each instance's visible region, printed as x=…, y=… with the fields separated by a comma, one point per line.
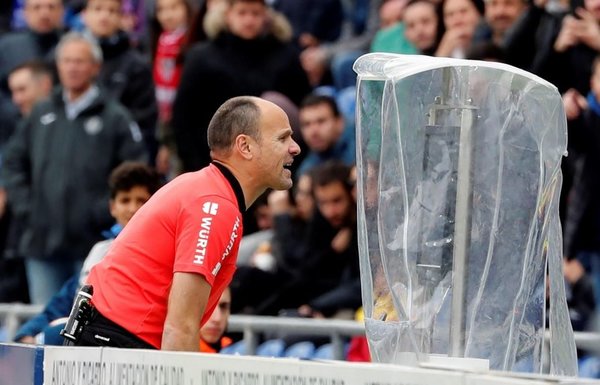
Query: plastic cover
x=458, y=185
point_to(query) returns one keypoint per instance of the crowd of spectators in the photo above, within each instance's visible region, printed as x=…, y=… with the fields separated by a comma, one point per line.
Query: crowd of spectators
x=88, y=84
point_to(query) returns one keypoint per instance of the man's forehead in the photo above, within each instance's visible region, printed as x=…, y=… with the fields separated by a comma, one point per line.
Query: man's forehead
x=273, y=116
x=20, y=74
x=43, y=2
x=335, y=186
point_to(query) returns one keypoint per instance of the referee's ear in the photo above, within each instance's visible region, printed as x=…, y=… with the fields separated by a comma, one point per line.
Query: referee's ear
x=244, y=145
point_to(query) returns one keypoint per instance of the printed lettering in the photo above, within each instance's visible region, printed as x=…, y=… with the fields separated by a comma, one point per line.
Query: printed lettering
x=202, y=242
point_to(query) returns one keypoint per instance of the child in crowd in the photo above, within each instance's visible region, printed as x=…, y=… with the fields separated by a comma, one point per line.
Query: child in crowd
x=131, y=185
x=212, y=338
x=170, y=25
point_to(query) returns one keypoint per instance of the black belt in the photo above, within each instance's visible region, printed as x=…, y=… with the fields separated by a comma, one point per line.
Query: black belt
x=107, y=333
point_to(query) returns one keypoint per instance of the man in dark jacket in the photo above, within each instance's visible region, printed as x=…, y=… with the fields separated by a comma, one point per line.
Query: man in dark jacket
x=56, y=167
x=241, y=59
x=37, y=42
x=321, y=277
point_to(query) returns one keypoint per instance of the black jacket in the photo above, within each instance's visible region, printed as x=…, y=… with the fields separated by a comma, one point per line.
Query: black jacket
x=581, y=226
x=127, y=76
x=56, y=173
x=220, y=69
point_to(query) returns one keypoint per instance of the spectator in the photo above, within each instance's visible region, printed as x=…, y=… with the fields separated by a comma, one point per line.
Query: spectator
x=212, y=338
x=44, y=24
x=36, y=42
x=318, y=267
x=391, y=36
x=335, y=255
x=249, y=53
x=170, y=26
x=528, y=43
x=581, y=222
x=125, y=75
x=29, y=83
x=323, y=131
x=57, y=183
x=359, y=28
x=498, y=18
x=423, y=25
x=131, y=185
x=461, y=17
x=569, y=64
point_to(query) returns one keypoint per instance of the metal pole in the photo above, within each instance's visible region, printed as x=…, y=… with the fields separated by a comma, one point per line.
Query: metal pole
x=462, y=232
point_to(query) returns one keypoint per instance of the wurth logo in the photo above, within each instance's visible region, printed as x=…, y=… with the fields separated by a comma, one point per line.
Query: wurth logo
x=210, y=208
x=202, y=242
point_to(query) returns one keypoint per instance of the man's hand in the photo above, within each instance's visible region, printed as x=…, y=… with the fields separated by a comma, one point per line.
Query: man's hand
x=187, y=302
x=567, y=36
x=342, y=239
x=27, y=340
x=573, y=270
x=588, y=31
x=314, y=63
x=574, y=103
x=453, y=39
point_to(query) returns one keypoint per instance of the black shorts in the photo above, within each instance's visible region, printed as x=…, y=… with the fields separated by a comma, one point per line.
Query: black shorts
x=101, y=331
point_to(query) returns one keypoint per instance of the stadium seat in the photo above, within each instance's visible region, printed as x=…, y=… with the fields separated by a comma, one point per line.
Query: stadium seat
x=271, y=348
x=302, y=350
x=235, y=349
x=324, y=352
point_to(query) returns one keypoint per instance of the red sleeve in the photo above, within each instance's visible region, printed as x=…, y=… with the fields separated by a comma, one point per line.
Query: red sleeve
x=206, y=232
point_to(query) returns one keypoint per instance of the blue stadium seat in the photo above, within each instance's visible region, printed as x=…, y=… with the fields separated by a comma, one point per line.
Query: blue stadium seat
x=235, y=349
x=324, y=352
x=302, y=350
x=271, y=348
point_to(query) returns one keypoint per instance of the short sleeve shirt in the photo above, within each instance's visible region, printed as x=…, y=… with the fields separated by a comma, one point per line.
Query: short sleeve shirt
x=194, y=225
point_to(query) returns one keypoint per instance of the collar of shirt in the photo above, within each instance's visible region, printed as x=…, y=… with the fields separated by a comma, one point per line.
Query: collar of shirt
x=74, y=108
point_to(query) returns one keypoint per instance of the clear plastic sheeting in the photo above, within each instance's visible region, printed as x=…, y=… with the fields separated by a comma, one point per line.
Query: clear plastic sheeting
x=459, y=181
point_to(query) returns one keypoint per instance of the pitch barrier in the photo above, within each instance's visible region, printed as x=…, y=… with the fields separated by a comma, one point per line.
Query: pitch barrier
x=37, y=365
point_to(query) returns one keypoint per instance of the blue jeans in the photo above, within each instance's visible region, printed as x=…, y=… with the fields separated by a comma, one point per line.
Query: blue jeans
x=46, y=276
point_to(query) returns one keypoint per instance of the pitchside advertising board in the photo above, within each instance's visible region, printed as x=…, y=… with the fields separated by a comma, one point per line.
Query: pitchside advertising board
x=93, y=366
x=24, y=365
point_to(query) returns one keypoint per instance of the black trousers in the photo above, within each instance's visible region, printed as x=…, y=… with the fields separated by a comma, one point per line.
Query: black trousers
x=101, y=331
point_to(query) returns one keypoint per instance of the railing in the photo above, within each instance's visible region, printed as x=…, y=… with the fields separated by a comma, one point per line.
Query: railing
x=13, y=315
x=252, y=326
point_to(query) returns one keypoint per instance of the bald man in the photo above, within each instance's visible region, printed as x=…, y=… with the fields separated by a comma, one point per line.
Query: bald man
x=165, y=273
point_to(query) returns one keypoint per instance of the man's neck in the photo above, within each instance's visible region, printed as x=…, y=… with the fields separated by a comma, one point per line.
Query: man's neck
x=74, y=95
x=246, y=181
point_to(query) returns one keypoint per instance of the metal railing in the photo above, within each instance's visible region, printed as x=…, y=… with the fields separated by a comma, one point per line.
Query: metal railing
x=13, y=315
x=336, y=330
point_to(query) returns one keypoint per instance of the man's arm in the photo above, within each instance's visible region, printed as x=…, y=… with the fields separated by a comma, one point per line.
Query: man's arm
x=187, y=302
